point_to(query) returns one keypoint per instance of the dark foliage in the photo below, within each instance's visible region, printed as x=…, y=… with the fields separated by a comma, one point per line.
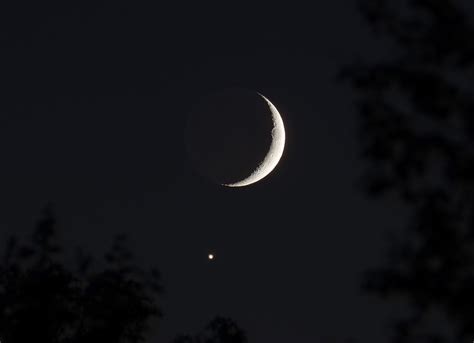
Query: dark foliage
x=44, y=300
x=219, y=330
x=417, y=132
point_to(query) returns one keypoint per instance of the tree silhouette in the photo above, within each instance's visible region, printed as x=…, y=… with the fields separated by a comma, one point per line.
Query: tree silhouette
x=417, y=133
x=219, y=330
x=44, y=300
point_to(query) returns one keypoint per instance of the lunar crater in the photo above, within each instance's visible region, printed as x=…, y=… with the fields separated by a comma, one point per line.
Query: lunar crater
x=235, y=137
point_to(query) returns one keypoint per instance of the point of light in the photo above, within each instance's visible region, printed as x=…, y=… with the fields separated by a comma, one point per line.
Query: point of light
x=210, y=256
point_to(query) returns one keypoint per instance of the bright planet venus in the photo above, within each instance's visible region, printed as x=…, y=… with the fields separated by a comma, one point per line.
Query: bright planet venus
x=235, y=137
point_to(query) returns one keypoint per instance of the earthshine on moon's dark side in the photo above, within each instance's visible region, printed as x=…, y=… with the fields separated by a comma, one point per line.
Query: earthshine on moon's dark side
x=96, y=102
x=235, y=137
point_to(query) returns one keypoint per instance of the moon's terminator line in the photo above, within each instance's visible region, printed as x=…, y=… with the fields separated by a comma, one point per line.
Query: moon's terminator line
x=274, y=153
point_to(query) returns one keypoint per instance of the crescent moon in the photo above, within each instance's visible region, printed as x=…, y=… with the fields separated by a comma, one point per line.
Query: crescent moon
x=274, y=153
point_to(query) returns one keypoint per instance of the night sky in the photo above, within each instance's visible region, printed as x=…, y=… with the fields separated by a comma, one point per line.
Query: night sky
x=92, y=119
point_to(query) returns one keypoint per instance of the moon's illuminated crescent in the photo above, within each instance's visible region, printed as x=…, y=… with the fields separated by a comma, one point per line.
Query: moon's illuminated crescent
x=274, y=153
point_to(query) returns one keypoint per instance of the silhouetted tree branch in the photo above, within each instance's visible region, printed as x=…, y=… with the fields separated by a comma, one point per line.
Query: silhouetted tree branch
x=417, y=133
x=43, y=300
x=219, y=330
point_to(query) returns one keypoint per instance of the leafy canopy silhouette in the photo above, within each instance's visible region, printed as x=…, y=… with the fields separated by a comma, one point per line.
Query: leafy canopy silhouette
x=417, y=131
x=219, y=330
x=43, y=300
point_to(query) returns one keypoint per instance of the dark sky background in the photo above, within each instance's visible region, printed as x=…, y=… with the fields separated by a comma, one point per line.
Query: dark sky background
x=94, y=105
